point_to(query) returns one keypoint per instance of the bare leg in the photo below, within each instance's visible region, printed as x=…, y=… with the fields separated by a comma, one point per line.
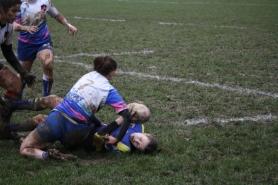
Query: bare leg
x=27, y=125
x=10, y=82
x=33, y=146
x=35, y=104
x=47, y=59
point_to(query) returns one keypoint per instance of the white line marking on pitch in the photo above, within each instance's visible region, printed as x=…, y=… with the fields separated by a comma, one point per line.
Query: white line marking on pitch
x=202, y=25
x=100, y=19
x=103, y=54
x=240, y=89
x=222, y=121
x=224, y=87
x=201, y=3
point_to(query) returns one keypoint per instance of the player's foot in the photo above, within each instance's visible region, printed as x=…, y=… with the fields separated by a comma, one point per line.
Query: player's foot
x=2, y=128
x=6, y=107
x=15, y=136
x=56, y=154
x=11, y=136
x=4, y=101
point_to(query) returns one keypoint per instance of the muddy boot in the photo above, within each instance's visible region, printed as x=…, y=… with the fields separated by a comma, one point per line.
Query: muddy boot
x=6, y=114
x=9, y=135
x=3, y=134
x=5, y=102
x=15, y=136
x=55, y=154
x=5, y=118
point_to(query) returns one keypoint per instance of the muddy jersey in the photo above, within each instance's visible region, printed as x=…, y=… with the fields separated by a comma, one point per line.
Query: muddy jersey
x=34, y=14
x=6, y=34
x=91, y=92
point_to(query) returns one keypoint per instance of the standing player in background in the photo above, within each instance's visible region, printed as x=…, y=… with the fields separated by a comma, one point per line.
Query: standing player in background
x=8, y=79
x=38, y=44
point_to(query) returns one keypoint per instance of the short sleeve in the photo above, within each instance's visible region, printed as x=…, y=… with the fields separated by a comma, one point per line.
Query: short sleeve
x=9, y=35
x=115, y=100
x=52, y=10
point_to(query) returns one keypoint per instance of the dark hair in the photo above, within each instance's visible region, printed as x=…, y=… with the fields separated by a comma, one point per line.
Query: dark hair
x=152, y=146
x=104, y=65
x=7, y=4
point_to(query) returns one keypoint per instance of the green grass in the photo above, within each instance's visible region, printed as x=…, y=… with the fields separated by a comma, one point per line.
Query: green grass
x=228, y=48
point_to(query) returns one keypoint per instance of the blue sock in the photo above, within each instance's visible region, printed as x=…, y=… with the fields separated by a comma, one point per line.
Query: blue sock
x=23, y=86
x=47, y=84
x=45, y=155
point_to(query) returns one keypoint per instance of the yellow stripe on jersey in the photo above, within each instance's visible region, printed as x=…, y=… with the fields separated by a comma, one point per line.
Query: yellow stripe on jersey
x=98, y=142
x=123, y=147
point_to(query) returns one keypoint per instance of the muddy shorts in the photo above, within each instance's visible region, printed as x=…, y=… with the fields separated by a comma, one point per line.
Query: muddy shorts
x=57, y=127
x=27, y=52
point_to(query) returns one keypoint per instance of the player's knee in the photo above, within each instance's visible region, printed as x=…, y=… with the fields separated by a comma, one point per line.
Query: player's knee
x=22, y=150
x=52, y=101
x=48, y=67
x=9, y=80
x=39, y=118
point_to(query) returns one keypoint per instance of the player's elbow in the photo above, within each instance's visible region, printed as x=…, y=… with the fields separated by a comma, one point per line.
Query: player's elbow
x=126, y=115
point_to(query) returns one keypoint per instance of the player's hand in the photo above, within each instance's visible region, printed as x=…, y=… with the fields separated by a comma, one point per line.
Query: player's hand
x=111, y=140
x=71, y=29
x=138, y=101
x=30, y=79
x=32, y=29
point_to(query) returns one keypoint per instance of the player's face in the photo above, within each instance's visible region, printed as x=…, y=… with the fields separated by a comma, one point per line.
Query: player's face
x=139, y=140
x=11, y=14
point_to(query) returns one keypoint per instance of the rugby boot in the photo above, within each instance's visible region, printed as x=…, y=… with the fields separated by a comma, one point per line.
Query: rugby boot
x=5, y=114
x=14, y=136
x=5, y=118
x=2, y=127
x=5, y=102
x=6, y=110
x=9, y=135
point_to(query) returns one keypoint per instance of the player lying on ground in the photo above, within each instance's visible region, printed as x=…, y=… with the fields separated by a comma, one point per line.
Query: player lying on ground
x=133, y=139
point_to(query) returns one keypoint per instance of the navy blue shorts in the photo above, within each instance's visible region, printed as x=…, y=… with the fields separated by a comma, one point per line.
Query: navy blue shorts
x=56, y=127
x=28, y=52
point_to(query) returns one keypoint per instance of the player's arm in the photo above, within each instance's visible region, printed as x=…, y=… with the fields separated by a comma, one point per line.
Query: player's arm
x=62, y=20
x=11, y=58
x=94, y=119
x=111, y=127
x=125, y=124
x=19, y=27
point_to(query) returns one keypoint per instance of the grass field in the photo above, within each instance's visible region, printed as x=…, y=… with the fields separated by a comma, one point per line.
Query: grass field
x=206, y=69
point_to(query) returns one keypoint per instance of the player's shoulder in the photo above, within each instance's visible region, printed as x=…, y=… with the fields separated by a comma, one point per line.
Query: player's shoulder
x=7, y=28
